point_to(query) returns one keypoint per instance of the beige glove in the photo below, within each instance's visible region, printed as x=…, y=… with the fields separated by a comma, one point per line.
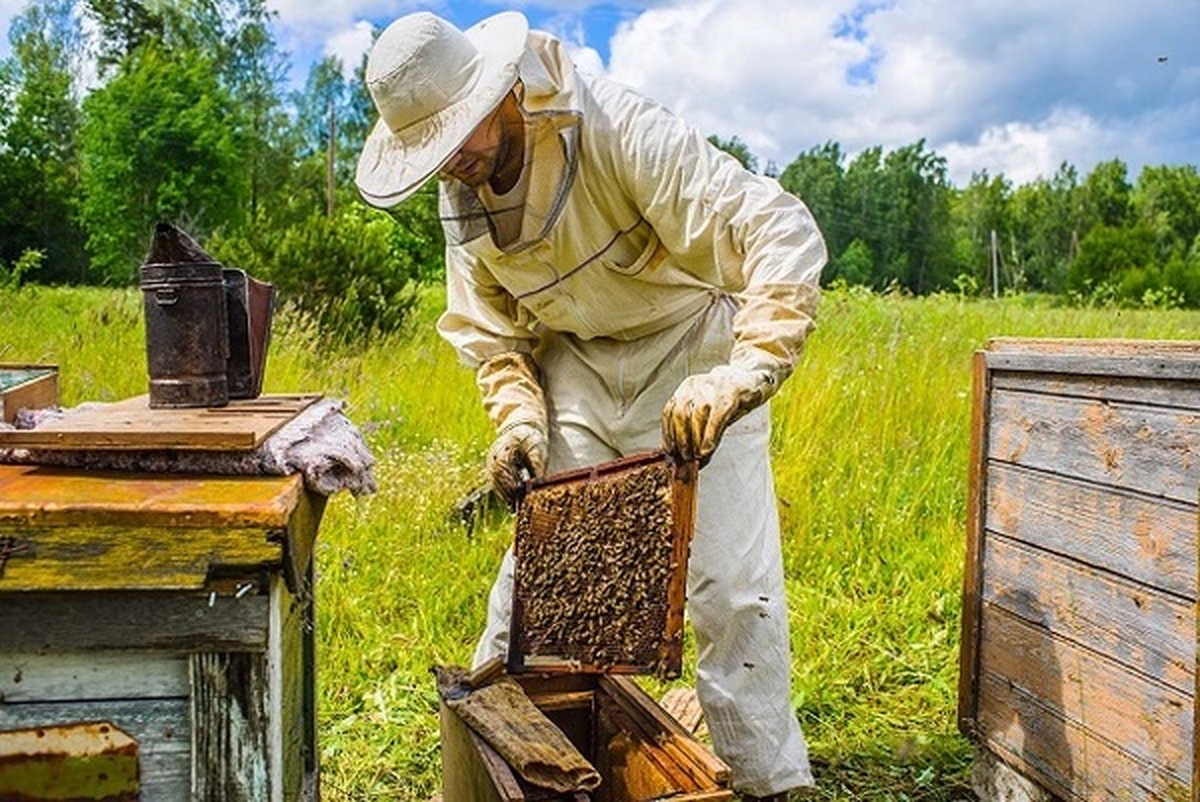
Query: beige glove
x=769, y=328
x=517, y=454
x=513, y=399
x=705, y=404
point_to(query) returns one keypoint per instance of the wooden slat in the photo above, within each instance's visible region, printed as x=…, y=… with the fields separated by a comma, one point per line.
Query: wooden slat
x=1147, y=539
x=705, y=768
x=56, y=677
x=634, y=767
x=1146, y=630
x=1150, y=721
x=230, y=722
x=63, y=497
x=1146, y=449
x=160, y=726
x=134, y=620
x=1176, y=393
x=1143, y=367
x=133, y=558
x=131, y=424
x=472, y=770
x=968, y=656
x=1102, y=346
x=1144, y=359
x=292, y=702
x=1063, y=757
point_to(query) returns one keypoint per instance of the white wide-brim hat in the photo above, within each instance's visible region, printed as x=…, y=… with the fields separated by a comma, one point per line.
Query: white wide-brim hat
x=432, y=84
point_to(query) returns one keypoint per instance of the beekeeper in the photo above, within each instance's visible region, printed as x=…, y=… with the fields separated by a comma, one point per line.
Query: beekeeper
x=619, y=285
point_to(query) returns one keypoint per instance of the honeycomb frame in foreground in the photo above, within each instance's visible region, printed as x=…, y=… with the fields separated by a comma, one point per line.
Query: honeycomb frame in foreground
x=601, y=568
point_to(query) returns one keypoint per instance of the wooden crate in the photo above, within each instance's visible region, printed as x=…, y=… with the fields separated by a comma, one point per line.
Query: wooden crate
x=178, y=609
x=1078, y=661
x=640, y=752
x=26, y=387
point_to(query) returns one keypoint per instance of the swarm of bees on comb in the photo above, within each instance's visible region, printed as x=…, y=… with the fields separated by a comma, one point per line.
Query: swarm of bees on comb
x=594, y=561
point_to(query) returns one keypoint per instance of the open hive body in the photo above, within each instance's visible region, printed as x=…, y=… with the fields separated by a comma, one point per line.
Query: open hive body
x=598, y=592
x=640, y=752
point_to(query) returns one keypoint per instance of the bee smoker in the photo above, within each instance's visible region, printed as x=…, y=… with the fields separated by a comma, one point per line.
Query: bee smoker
x=207, y=326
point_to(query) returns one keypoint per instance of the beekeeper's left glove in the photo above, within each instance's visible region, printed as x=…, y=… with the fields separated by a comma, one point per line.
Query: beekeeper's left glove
x=705, y=404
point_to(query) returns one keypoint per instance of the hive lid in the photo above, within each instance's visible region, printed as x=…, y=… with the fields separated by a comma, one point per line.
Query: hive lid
x=601, y=569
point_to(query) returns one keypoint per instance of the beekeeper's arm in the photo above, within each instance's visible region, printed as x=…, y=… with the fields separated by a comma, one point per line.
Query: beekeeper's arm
x=740, y=232
x=482, y=321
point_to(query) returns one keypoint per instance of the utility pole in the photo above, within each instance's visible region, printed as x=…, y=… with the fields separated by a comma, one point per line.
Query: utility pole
x=995, y=267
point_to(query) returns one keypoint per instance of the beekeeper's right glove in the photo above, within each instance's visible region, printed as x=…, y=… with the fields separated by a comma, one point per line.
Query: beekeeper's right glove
x=513, y=399
x=704, y=405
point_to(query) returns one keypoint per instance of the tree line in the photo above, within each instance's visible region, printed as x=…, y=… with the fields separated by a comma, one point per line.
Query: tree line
x=117, y=114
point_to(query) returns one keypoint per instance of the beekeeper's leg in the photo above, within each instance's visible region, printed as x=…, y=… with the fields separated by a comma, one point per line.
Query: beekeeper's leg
x=578, y=403
x=739, y=614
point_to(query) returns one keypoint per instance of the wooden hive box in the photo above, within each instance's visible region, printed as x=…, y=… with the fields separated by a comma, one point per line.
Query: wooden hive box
x=177, y=610
x=607, y=603
x=1078, y=661
x=639, y=750
x=26, y=387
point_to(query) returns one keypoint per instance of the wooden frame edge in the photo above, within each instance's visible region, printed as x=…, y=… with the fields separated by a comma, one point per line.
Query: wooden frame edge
x=972, y=598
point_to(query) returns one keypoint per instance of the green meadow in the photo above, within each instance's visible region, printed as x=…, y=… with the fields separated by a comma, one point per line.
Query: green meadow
x=870, y=442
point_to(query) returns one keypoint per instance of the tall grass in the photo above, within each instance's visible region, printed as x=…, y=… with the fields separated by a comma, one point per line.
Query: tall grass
x=870, y=440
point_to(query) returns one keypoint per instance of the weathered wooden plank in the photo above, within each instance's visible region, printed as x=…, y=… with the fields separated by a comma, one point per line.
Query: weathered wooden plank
x=1146, y=630
x=1148, y=368
x=472, y=770
x=292, y=702
x=54, y=558
x=55, y=677
x=1142, y=359
x=1152, y=450
x=230, y=722
x=1147, y=539
x=44, y=496
x=1061, y=756
x=139, y=621
x=160, y=726
x=968, y=657
x=703, y=767
x=242, y=425
x=632, y=768
x=1102, y=346
x=299, y=541
x=1176, y=393
x=1151, y=722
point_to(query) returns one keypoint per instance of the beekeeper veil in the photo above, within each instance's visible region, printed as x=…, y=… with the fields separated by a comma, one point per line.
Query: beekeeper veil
x=524, y=215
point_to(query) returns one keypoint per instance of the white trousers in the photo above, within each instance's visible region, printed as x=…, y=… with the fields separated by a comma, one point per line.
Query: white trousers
x=605, y=400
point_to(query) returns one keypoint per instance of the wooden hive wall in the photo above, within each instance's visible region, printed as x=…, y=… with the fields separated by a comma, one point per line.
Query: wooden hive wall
x=1079, y=639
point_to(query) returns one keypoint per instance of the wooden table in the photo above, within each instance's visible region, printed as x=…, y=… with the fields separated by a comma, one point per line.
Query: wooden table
x=178, y=609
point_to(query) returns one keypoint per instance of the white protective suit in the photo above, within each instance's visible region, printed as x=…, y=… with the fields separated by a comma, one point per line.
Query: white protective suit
x=645, y=256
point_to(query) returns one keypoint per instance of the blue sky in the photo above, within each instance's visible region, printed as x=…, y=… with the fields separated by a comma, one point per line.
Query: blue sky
x=1013, y=87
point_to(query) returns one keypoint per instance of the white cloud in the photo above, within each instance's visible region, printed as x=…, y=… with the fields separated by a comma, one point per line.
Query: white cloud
x=349, y=45
x=316, y=18
x=1025, y=151
x=1014, y=88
